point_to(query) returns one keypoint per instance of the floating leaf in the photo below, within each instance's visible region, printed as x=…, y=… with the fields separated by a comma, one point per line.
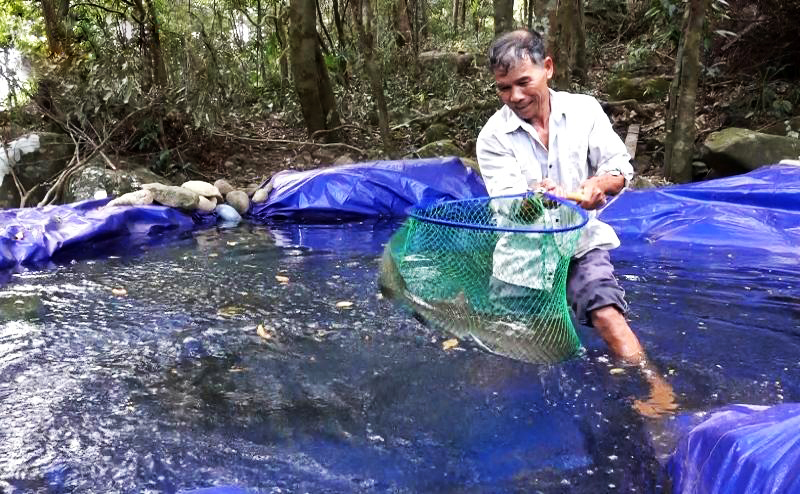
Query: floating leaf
x=616, y=370
x=119, y=292
x=281, y=279
x=344, y=304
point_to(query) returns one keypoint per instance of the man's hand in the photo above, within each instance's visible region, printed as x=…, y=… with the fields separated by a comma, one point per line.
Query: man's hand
x=548, y=186
x=593, y=195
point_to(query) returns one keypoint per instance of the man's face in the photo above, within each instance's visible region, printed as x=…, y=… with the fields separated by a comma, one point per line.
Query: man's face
x=524, y=87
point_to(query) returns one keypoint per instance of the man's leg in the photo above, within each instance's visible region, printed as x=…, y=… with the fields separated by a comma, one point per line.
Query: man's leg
x=620, y=338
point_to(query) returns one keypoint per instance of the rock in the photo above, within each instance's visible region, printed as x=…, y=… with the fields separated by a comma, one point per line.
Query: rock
x=239, y=200
x=261, y=194
x=344, y=159
x=785, y=128
x=735, y=150
x=95, y=177
x=207, y=205
x=251, y=189
x=202, y=188
x=35, y=158
x=471, y=163
x=173, y=196
x=436, y=132
x=654, y=88
x=440, y=148
x=227, y=213
x=223, y=186
x=136, y=198
x=640, y=182
x=459, y=62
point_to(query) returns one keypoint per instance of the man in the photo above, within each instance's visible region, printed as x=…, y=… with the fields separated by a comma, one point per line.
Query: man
x=562, y=142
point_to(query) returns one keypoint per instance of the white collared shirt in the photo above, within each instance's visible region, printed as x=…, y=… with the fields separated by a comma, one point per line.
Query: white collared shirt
x=581, y=144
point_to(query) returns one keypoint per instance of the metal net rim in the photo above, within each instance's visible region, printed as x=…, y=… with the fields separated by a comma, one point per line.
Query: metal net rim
x=421, y=215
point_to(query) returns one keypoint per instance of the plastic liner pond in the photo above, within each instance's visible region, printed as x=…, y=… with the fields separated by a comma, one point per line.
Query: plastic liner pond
x=209, y=370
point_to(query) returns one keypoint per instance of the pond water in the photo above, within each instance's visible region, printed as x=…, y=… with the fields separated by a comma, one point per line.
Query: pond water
x=229, y=360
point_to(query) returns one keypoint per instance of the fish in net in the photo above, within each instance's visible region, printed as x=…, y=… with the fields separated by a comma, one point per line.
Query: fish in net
x=491, y=269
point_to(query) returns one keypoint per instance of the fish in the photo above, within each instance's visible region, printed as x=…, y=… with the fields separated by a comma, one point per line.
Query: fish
x=533, y=339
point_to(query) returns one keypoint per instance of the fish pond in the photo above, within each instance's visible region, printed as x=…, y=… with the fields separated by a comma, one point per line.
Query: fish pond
x=264, y=357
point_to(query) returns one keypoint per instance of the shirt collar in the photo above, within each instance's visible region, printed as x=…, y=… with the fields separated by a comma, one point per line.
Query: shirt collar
x=512, y=122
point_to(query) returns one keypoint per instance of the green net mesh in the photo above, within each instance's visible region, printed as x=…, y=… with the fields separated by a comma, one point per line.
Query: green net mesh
x=490, y=269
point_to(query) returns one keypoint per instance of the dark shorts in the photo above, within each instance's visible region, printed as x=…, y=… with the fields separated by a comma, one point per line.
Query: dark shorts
x=590, y=285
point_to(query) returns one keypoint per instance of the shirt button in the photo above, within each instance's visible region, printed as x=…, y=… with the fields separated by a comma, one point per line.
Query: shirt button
x=551, y=166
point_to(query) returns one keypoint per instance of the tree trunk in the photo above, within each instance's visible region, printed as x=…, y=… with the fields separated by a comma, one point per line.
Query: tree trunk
x=402, y=23
x=456, y=4
x=366, y=34
x=282, y=35
x=310, y=76
x=55, y=14
x=503, y=16
x=156, y=54
x=567, y=41
x=680, y=127
x=337, y=21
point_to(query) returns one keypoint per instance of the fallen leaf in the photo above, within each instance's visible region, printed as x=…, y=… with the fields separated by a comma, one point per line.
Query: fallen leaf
x=230, y=311
x=449, y=344
x=344, y=304
x=616, y=370
x=119, y=292
x=261, y=331
x=281, y=279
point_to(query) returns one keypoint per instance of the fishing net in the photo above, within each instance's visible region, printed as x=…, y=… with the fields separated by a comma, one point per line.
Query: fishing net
x=491, y=269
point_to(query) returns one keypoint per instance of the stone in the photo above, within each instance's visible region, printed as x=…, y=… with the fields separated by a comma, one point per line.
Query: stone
x=35, y=158
x=173, y=196
x=239, y=200
x=471, y=163
x=88, y=181
x=653, y=88
x=784, y=127
x=136, y=198
x=207, y=205
x=440, y=148
x=223, y=186
x=436, y=132
x=261, y=194
x=736, y=150
x=640, y=182
x=202, y=188
x=344, y=159
x=227, y=213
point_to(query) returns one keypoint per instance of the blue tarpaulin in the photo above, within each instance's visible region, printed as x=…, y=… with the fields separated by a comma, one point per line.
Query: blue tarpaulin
x=743, y=449
x=375, y=189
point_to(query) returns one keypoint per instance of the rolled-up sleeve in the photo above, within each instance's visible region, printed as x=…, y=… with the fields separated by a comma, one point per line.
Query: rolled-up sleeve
x=499, y=167
x=607, y=153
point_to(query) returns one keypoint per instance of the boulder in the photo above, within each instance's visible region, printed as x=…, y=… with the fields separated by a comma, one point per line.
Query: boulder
x=136, y=198
x=238, y=200
x=227, y=214
x=202, y=188
x=651, y=88
x=440, y=148
x=87, y=181
x=207, y=205
x=223, y=186
x=459, y=62
x=734, y=150
x=173, y=196
x=35, y=158
x=436, y=132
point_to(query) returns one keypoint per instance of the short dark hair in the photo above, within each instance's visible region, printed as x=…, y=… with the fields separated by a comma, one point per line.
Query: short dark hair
x=514, y=46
